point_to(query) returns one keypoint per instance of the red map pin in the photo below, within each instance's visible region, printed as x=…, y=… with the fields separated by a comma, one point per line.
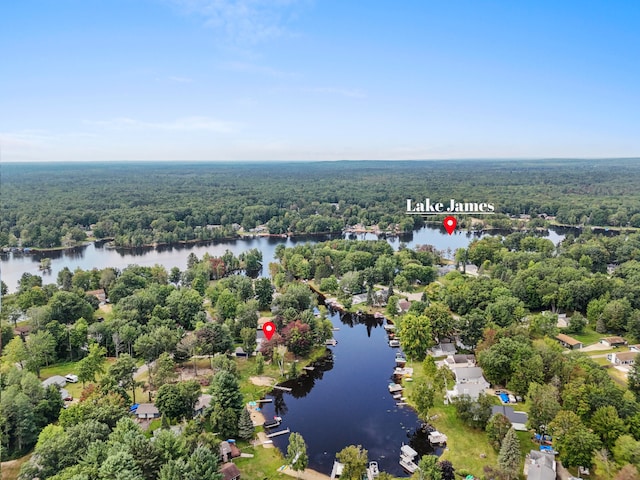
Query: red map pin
x=269, y=328
x=450, y=224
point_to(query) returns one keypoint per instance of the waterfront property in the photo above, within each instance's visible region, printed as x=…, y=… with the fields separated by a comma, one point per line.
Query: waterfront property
x=146, y=411
x=469, y=381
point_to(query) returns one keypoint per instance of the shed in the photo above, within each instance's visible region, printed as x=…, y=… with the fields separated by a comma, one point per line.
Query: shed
x=569, y=342
x=225, y=451
x=403, y=305
x=634, y=348
x=613, y=341
x=229, y=471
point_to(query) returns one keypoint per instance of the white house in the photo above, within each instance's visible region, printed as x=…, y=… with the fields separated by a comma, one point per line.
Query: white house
x=469, y=381
x=623, y=358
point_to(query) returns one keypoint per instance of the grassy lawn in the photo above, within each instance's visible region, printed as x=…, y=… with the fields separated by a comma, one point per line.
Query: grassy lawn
x=11, y=468
x=264, y=464
x=588, y=337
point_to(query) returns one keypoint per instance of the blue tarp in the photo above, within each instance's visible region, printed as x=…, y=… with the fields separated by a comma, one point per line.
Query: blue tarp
x=546, y=448
x=504, y=397
x=134, y=407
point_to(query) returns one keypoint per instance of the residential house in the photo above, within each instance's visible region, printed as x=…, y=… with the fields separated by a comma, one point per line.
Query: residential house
x=540, y=466
x=201, y=405
x=613, y=341
x=469, y=381
x=634, y=348
x=443, y=349
x=147, y=411
x=518, y=419
x=623, y=358
x=100, y=294
x=444, y=269
x=569, y=342
x=403, y=305
x=229, y=450
x=229, y=471
x=456, y=361
x=380, y=297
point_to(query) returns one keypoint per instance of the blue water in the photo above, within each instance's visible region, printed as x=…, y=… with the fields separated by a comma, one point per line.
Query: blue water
x=345, y=401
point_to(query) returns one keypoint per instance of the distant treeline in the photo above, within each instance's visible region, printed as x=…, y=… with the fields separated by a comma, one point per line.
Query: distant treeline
x=49, y=205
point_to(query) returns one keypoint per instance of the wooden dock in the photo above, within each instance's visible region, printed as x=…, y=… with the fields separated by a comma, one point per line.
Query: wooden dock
x=284, y=389
x=281, y=432
x=266, y=400
x=310, y=369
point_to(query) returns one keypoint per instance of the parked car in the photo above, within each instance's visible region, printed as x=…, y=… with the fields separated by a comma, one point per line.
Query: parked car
x=71, y=378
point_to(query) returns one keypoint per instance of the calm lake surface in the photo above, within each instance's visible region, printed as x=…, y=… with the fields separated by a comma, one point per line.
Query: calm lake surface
x=95, y=255
x=345, y=401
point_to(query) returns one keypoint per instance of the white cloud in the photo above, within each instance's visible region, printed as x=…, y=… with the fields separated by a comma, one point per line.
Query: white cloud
x=244, y=21
x=186, y=124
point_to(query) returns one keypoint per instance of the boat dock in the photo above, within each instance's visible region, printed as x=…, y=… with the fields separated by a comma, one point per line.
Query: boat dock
x=437, y=438
x=331, y=342
x=265, y=400
x=281, y=432
x=310, y=369
x=395, y=388
x=407, y=457
x=284, y=389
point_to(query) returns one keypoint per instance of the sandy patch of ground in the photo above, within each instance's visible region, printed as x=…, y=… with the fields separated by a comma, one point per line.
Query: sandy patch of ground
x=307, y=474
x=263, y=381
x=186, y=373
x=256, y=416
x=262, y=440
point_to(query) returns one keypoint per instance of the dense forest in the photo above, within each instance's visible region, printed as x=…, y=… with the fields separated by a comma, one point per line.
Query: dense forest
x=51, y=205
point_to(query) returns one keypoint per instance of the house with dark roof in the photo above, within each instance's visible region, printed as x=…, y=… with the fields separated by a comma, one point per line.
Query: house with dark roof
x=569, y=342
x=518, y=419
x=540, y=466
x=230, y=471
x=57, y=380
x=404, y=305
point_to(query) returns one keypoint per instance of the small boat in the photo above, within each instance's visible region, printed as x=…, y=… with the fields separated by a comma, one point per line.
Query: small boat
x=272, y=423
x=389, y=328
x=437, y=438
x=372, y=470
x=394, y=343
x=400, y=359
x=408, y=465
x=378, y=316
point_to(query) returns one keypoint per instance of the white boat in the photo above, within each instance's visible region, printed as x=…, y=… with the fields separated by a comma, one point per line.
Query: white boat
x=400, y=359
x=336, y=471
x=408, y=465
x=389, y=328
x=394, y=343
x=372, y=470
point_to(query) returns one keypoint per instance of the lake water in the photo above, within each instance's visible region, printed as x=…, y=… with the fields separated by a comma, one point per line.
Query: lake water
x=345, y=401
x=95, y=255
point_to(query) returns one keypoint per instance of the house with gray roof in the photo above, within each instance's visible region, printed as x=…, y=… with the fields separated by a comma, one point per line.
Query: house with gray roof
x=518, y=419
x=540, y=466
x=469, y=381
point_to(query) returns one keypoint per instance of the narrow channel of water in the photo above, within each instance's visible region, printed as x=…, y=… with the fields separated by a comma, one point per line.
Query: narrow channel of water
x=345, y=401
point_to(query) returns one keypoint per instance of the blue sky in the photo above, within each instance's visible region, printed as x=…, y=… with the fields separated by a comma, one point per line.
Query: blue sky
x=318, y=80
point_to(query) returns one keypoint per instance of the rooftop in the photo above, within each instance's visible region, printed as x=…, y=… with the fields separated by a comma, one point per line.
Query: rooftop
x=567, y=339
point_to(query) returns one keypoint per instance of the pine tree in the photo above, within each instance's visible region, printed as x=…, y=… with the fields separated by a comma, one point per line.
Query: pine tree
x=509, y=456
x=245, y=425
